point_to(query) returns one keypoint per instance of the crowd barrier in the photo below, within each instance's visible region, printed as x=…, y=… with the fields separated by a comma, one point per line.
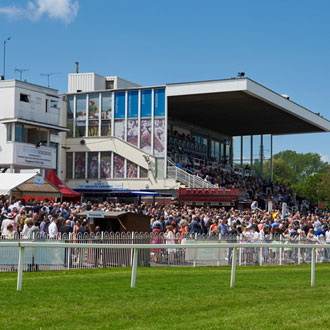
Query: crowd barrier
x=22, y=245
x=85, y=257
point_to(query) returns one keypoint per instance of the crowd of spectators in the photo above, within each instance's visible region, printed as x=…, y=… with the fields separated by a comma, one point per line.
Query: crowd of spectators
x=50, y=219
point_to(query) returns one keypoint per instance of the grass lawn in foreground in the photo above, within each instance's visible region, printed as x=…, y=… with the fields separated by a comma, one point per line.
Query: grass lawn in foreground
x=168, y=298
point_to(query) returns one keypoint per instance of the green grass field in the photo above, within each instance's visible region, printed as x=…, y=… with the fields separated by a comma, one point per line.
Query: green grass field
x=168, y=298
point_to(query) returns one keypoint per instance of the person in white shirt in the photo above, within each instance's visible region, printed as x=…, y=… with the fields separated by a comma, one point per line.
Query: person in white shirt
x=52, y=229
x=6, y=223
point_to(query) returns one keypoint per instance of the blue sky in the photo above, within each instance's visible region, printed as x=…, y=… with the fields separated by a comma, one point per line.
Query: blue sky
x=284, y=45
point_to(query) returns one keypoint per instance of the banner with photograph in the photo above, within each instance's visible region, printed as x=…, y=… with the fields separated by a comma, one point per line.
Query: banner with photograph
x=118, y=166
x=159, y=138
x=132, y=170
x=79, y=165
x=120, y=129
x=93, y=165
x=146, y=135
x=105, y=166
x=132, y=131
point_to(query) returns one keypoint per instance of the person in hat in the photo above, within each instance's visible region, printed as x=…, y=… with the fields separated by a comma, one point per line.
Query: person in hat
x=5, y=223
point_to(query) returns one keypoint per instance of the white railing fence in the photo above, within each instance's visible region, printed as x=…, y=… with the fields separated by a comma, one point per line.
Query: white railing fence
x=171, y=247
x=189, y=180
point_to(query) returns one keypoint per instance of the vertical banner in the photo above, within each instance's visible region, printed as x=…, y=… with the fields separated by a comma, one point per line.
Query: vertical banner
x=146, y=135
x=159, y=137
x=146, y=103
x=119, y=166
x=159, y=105
x=120, y=105
x=133, y=104
x=132, y=131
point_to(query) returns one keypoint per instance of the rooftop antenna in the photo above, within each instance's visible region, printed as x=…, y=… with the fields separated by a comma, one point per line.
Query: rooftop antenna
x=20, y=72
x=48, y=75
x=77, y=67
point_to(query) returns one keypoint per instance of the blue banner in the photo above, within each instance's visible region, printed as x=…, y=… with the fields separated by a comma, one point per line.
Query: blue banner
x=146, y=103
x=120, y=105
x=133, y=104
x=159, y=105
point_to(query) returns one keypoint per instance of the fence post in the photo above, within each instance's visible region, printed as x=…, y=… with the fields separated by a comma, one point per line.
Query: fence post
x=233, y=268
x=20, y=268
x=313, y=267
x=240, y=251
x=260, y=256
x=135, y=260
x=281, y=250
x=69, y=257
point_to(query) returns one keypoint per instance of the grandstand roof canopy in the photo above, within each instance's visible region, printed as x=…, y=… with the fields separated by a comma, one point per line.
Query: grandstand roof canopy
x=240, y=107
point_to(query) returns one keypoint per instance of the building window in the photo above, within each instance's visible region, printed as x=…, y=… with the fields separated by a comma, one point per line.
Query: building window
x=24, y=98
x=93, y=165
x=19, y=133
x=79, y=165
x=119, y=166
x=69, y=115
x=105, y=166
x=69, y=165
x=109, y=84
x=9, y=132
x=131, y=170
x=106, y=114
x=81, y=116
x=143, y=172
x=93, y=115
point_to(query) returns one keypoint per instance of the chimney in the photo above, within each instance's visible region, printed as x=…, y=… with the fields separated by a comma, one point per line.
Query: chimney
x=77, y=67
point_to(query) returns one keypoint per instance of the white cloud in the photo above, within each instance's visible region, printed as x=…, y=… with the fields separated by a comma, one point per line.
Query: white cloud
x=65, y=10
x=325, y=158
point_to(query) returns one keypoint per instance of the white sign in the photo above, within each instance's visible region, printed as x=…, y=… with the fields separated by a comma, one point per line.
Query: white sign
x=38, y=180
x=55, y=138
x=95, y=214
x=99, y=185
x=42, y=157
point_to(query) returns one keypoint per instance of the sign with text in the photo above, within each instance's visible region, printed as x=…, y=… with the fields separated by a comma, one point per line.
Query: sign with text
x=38, y=180
x=99, y=185
x=95, y=214
x=42, y=157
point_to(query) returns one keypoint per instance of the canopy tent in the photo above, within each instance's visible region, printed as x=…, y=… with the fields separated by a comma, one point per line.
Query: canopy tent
x=27, y=184
x=66, y=191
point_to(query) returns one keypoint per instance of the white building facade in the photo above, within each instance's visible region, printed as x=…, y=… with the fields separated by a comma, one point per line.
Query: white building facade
x=30, y=121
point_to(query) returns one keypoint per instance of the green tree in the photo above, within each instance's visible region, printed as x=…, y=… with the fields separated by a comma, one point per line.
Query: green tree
x=304, y=165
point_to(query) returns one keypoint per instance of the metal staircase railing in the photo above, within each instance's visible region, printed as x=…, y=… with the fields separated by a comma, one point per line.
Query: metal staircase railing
x=189, y=180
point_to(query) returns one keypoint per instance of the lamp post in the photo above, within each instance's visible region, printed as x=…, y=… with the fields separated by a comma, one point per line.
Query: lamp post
x=4, y=57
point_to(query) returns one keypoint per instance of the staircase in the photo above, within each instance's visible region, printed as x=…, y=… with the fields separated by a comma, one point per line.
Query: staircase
x=189, y=180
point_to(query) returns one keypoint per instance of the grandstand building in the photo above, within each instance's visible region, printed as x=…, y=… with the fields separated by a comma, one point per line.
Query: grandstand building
x=128, y=139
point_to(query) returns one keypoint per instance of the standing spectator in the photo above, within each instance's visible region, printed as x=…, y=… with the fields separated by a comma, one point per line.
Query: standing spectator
x=52, y=229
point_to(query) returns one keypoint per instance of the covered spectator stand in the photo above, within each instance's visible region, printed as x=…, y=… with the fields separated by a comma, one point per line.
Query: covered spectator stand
x=68, y=194
x=19, y=185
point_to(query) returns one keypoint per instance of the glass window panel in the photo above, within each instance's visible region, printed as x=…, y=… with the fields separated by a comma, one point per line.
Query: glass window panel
x=120, y=129
x=133, y=104
x=105, y=127
x=146, y=135
x=106, y=112
x=160, y=168
x=93, y=115
x=9, y=131
x=120, y=105
x=131, y=170
x=81, y=107
x=247, y=148
x=69, y=165
x=237, y=149
x=159, y=138
x=79, y=165
x=143, y=172
x=132, y=131
x=80, y=128
x=93, y=165
x=256, y=147
x=267, y=146
x=217, y=151
x=105, y=166
x=19, y=133
x=146, y=103
x=118, y=166
x=159, y=102
x=70, y=108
